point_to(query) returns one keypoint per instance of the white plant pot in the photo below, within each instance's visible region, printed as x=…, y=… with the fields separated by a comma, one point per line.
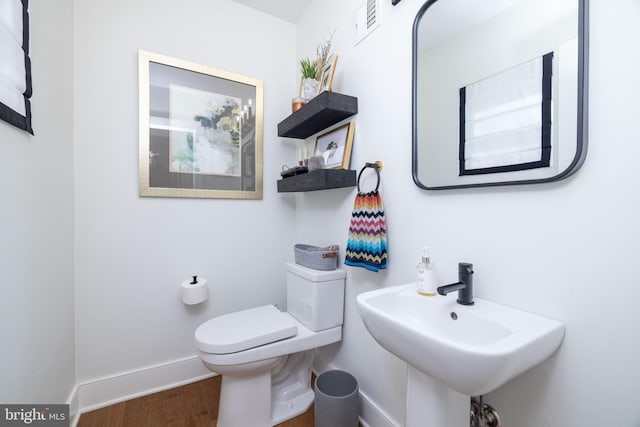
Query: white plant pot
x=310, y=88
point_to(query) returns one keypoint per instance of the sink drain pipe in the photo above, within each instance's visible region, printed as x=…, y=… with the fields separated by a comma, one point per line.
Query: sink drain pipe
x=483, y=414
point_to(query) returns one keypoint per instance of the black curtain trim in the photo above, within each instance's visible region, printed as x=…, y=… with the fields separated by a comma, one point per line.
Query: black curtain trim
x=27, y=119
x=25, y=47
x=547, y=78
x=7, y=114
x=25, y=26
x=462, y=122
x=17, y=119
x=545, y=142
x=27, y=68
x=509, y=168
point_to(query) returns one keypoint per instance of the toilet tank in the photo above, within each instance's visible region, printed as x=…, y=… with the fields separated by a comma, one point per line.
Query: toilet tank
x=315, y=297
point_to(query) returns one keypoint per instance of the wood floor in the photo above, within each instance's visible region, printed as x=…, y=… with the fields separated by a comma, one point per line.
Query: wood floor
x=192, y=405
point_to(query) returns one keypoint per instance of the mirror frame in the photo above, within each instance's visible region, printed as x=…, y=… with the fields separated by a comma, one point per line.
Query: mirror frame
x=582, y=106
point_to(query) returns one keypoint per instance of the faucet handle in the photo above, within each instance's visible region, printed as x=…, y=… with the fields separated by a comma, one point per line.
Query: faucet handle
x=465, y=267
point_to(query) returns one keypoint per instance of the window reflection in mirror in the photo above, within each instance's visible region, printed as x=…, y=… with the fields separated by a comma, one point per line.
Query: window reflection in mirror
x=458, y=43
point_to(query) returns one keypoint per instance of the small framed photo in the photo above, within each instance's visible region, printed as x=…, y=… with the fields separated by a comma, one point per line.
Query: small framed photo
x=326, y=79
x=335, y=146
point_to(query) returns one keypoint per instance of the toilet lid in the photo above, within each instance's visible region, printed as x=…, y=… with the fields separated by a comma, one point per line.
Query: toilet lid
x=234, y=332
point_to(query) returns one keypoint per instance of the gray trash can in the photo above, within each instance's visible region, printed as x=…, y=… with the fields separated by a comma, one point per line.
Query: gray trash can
x=336, y=403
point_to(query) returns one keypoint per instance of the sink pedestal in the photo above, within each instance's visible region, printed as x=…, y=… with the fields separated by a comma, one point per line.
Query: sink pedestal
x=430, y=403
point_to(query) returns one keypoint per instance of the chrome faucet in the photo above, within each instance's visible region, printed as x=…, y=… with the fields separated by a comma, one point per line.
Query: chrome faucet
x=464, y=286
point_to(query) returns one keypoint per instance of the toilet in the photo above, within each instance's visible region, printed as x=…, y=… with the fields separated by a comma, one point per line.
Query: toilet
x=264, y=355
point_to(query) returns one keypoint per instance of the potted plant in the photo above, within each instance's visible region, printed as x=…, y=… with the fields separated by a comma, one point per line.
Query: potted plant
x=310, y=77
x=312, y=69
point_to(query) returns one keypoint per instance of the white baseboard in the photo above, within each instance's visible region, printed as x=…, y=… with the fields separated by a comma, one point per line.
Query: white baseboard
x=371, y=415
x=129, y=385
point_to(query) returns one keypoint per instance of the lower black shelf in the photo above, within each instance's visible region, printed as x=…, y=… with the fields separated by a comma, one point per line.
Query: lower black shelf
x=322, y=179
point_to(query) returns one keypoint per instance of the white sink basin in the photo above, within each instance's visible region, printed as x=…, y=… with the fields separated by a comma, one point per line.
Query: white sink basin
x=472, y=349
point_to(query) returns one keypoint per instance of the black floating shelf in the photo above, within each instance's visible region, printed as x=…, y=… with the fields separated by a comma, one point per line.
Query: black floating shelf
x=324, y=110
x=322, y=179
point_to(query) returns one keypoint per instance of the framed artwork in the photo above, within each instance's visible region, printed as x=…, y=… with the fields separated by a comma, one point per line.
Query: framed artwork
x=326, y=81
x=335, y=146
x=15, y=68
x=201, y=131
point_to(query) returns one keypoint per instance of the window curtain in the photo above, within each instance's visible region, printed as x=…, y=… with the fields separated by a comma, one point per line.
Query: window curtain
x=505, y=120
x=15, y=64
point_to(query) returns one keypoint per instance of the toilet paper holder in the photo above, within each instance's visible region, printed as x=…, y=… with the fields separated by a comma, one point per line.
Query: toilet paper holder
x=194, y=291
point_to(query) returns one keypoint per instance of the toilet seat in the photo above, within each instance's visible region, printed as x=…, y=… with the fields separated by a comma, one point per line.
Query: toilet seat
x=242, y=330
x=303, y=339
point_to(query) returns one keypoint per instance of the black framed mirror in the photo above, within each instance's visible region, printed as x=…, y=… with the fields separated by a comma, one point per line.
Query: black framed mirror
x=499, y=92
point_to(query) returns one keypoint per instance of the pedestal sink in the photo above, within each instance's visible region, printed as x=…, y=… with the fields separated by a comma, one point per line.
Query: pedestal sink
x=454, y=351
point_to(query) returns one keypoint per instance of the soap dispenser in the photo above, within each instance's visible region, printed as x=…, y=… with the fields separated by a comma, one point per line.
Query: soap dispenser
x=427, y=281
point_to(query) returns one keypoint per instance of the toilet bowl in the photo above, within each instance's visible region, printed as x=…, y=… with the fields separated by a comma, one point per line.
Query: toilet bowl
x=265, y=355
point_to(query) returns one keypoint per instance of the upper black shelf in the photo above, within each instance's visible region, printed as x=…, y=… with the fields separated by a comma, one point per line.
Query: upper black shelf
x=324, y=110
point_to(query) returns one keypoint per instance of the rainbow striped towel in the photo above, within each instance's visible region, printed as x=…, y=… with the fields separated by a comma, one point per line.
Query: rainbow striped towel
x=367, y=244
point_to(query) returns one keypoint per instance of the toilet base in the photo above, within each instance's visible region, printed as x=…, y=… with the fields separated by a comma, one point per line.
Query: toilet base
x=279, y=392
x=291, y=387
x=245, y=400
x=283, y=411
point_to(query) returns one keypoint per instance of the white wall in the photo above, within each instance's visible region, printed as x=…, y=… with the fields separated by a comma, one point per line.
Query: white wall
x=36, y=224
x=566, y=250
x=132, y=253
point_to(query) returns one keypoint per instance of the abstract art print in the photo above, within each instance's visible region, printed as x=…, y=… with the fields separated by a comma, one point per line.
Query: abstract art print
x=201, y=131
x=205, y=132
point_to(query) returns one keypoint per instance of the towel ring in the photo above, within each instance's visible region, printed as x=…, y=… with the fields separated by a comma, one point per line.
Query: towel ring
x=377, y=166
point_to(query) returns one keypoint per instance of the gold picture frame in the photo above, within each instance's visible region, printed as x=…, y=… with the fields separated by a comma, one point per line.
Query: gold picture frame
x=326, y=79
x=200, y=131
x=335, y=146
